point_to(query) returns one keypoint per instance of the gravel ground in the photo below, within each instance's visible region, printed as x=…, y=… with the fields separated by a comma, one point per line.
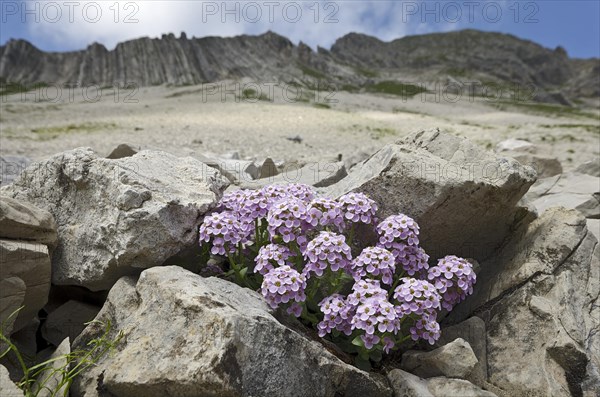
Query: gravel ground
x=188, y=121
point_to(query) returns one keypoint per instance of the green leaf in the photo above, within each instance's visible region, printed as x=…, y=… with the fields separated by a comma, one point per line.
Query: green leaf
x=243, y=272
x=358, y=342
x=375, y=355
x=362, y=363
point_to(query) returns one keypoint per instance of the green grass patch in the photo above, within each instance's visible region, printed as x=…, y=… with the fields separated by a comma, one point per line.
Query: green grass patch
x=319, y=105
x=588, y=127
x=54, y=131
x=250, y=94
x=546, y=109
x=9, y=88
x=366, y=72
x=312, y=72
x=349, y=88
x=396, y=88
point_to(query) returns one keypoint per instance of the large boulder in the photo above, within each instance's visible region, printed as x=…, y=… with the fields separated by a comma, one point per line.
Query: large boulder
x=194, y=336
x=116, y=217
x=463, y=197
x=539, y=298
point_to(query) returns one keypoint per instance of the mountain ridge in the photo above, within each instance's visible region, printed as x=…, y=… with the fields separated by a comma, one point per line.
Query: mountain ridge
x=354, y=60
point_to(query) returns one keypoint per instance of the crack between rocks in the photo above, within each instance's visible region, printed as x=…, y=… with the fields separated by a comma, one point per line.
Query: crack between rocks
x=489, y=305
x=550, y=188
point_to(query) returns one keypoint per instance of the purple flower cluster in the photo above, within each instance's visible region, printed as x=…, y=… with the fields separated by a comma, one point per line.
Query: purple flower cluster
x=282, y=285
x=454, y=279
x=327, y=250
x=286, y=220
x=366, y=289
x=416, y=296
x=337, y=314
x=427, y=328
x=357, y=207
x=325, y=212
x=225, y=231
x=299, y=239
x=374, y=261
x=270, y=256
x=396, y=229
x=376, y=314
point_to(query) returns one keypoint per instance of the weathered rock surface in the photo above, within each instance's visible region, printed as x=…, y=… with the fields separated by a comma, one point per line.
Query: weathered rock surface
x=454, y=360
x=539, y=298
x=236, y=171
x=515, y=145
x=590, y=168
x=209, y=337
x=544, y=166
x=12, y=296
x=11, y=167
x=7, y=387
x=472, y=331
x=68, y=321
x=314, y=174
x=267, y=169
x=48, y=382
x=571, y=190
x=405, y=384
x=444, y=387
x=30, y=263
x=116, y=217
x=122, y=151
x=463, y=197
x=22, y=221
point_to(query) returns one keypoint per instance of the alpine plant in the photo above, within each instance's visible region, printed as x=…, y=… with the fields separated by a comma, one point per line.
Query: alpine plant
x=302, y=253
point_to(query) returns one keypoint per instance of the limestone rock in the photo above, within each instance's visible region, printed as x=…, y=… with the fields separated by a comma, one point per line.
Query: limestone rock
x=128, y=214
x=463, y=197
x=7, y=387
x=544, y=166
x=68, y=321
x=570, y=190
x=49, y=380
x=590, y=168
x=472, y=331
x=405, y=384
x=539, y=298
x=444, y=387
x=267, y=169
x=11, y=167
x=29, y=262
x=121, y=151
x=12, y=296
x=454, y=360
x=22, y=221
x=515, y=145
x=213, y=338
x=314, y=174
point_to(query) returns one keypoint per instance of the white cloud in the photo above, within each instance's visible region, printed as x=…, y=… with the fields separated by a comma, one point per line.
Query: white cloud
x=110, y=22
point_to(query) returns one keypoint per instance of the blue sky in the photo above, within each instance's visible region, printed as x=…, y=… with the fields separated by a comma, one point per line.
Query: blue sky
x=60, y=25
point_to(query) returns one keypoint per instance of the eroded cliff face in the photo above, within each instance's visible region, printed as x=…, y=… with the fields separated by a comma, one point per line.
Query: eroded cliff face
x=354, y=60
